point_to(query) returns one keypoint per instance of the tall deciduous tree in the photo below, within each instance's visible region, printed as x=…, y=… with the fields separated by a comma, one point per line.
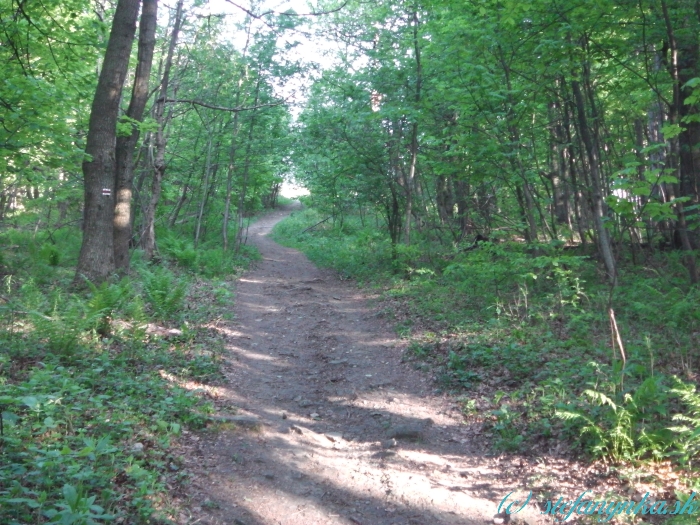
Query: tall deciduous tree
x=127, y=143
x=96, y=260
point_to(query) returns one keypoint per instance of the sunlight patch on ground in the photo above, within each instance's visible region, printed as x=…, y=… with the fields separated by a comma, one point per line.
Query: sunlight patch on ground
x=257, y=356
x=193, y=386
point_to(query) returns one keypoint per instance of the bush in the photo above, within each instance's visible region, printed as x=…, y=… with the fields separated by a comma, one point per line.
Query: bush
x=533, y=319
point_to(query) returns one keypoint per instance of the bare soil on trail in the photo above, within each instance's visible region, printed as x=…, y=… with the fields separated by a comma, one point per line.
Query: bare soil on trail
x=322, y=421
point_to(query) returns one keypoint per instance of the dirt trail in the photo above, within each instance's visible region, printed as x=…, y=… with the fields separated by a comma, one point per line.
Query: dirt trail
x=347, y=434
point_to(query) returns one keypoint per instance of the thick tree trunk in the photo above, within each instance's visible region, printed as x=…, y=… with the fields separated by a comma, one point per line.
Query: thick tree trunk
x=96, y=260
x=126, y=145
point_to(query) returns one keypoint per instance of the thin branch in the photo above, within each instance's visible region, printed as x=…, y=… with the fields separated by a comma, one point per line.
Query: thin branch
x=271, y=12
x=218, y=108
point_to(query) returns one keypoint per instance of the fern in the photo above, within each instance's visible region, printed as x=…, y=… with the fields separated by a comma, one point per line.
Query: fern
x=104, y=302
x=60, y=331
x=612, y=427
x=163, y=293
x=688, y=441
x=182, y=251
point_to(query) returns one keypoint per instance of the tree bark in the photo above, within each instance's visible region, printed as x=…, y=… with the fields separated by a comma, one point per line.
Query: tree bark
x=205, y=191
x=596, y=183
x=96, y=260
x=126, y=145
x=246, y=173
x=148, y=240
x=230, y=170
x=410, y=179
x=683, y=65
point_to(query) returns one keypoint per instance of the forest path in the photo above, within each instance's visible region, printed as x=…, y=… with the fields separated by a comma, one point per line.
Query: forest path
x=346, y=433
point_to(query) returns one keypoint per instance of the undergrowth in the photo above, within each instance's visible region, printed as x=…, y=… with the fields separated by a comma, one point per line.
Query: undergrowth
x=90, y=383
x=522, y=335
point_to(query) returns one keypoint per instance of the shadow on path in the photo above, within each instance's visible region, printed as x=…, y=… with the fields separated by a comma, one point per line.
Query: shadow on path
x=347, y=433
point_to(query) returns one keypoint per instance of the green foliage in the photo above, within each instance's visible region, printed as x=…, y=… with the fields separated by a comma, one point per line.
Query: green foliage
x=208, y=259
x=363, y=254
x=533, y=321
x=104, y=302
x=181, y=251
x=509, y=437
x=164, y=292
x=87, y=420
x=688, y=444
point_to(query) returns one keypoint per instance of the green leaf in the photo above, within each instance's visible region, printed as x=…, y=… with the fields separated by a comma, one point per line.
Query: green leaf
x=70, y=494
x=9, y=416
x=670, y=131
x=30, y=401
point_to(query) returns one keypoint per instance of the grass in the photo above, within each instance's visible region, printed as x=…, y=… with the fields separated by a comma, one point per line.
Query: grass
x=525, y=334
x=91, y=398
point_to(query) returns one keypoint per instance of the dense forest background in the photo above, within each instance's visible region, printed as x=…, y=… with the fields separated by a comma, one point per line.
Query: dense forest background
x=520, y=179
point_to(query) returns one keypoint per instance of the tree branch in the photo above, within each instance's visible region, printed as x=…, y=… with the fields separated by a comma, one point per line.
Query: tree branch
x=218, y=108
x=314, y=13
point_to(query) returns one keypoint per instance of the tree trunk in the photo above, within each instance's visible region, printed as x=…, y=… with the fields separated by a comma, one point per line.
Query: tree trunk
x=126, y=145
x=246, y=171
x=596, y=183
x=683, y=66
x=148, y=240
x=558, y=172
x=461, y=191
x=523, y=191
x=205, y=192
x=234, y=145
x=410, y=181
x=96, y=260
x=230, y=171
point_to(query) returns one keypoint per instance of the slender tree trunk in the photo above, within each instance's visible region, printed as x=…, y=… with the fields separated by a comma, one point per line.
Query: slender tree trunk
x=570, y=157
x=126, y=145
x=410, y=181
x=461, y=190
x=682, y=66
x=524, y=193
x=558, y=176
x=180, y=202
x=246, y=171
x=596, y=191
x=230, y=171
x=183, y=197
x=205, y=192
x=148, y=241
x=234, y=144
x=96, y=260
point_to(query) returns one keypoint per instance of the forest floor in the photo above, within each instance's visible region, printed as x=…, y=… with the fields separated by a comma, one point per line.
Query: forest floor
x=321, y=420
